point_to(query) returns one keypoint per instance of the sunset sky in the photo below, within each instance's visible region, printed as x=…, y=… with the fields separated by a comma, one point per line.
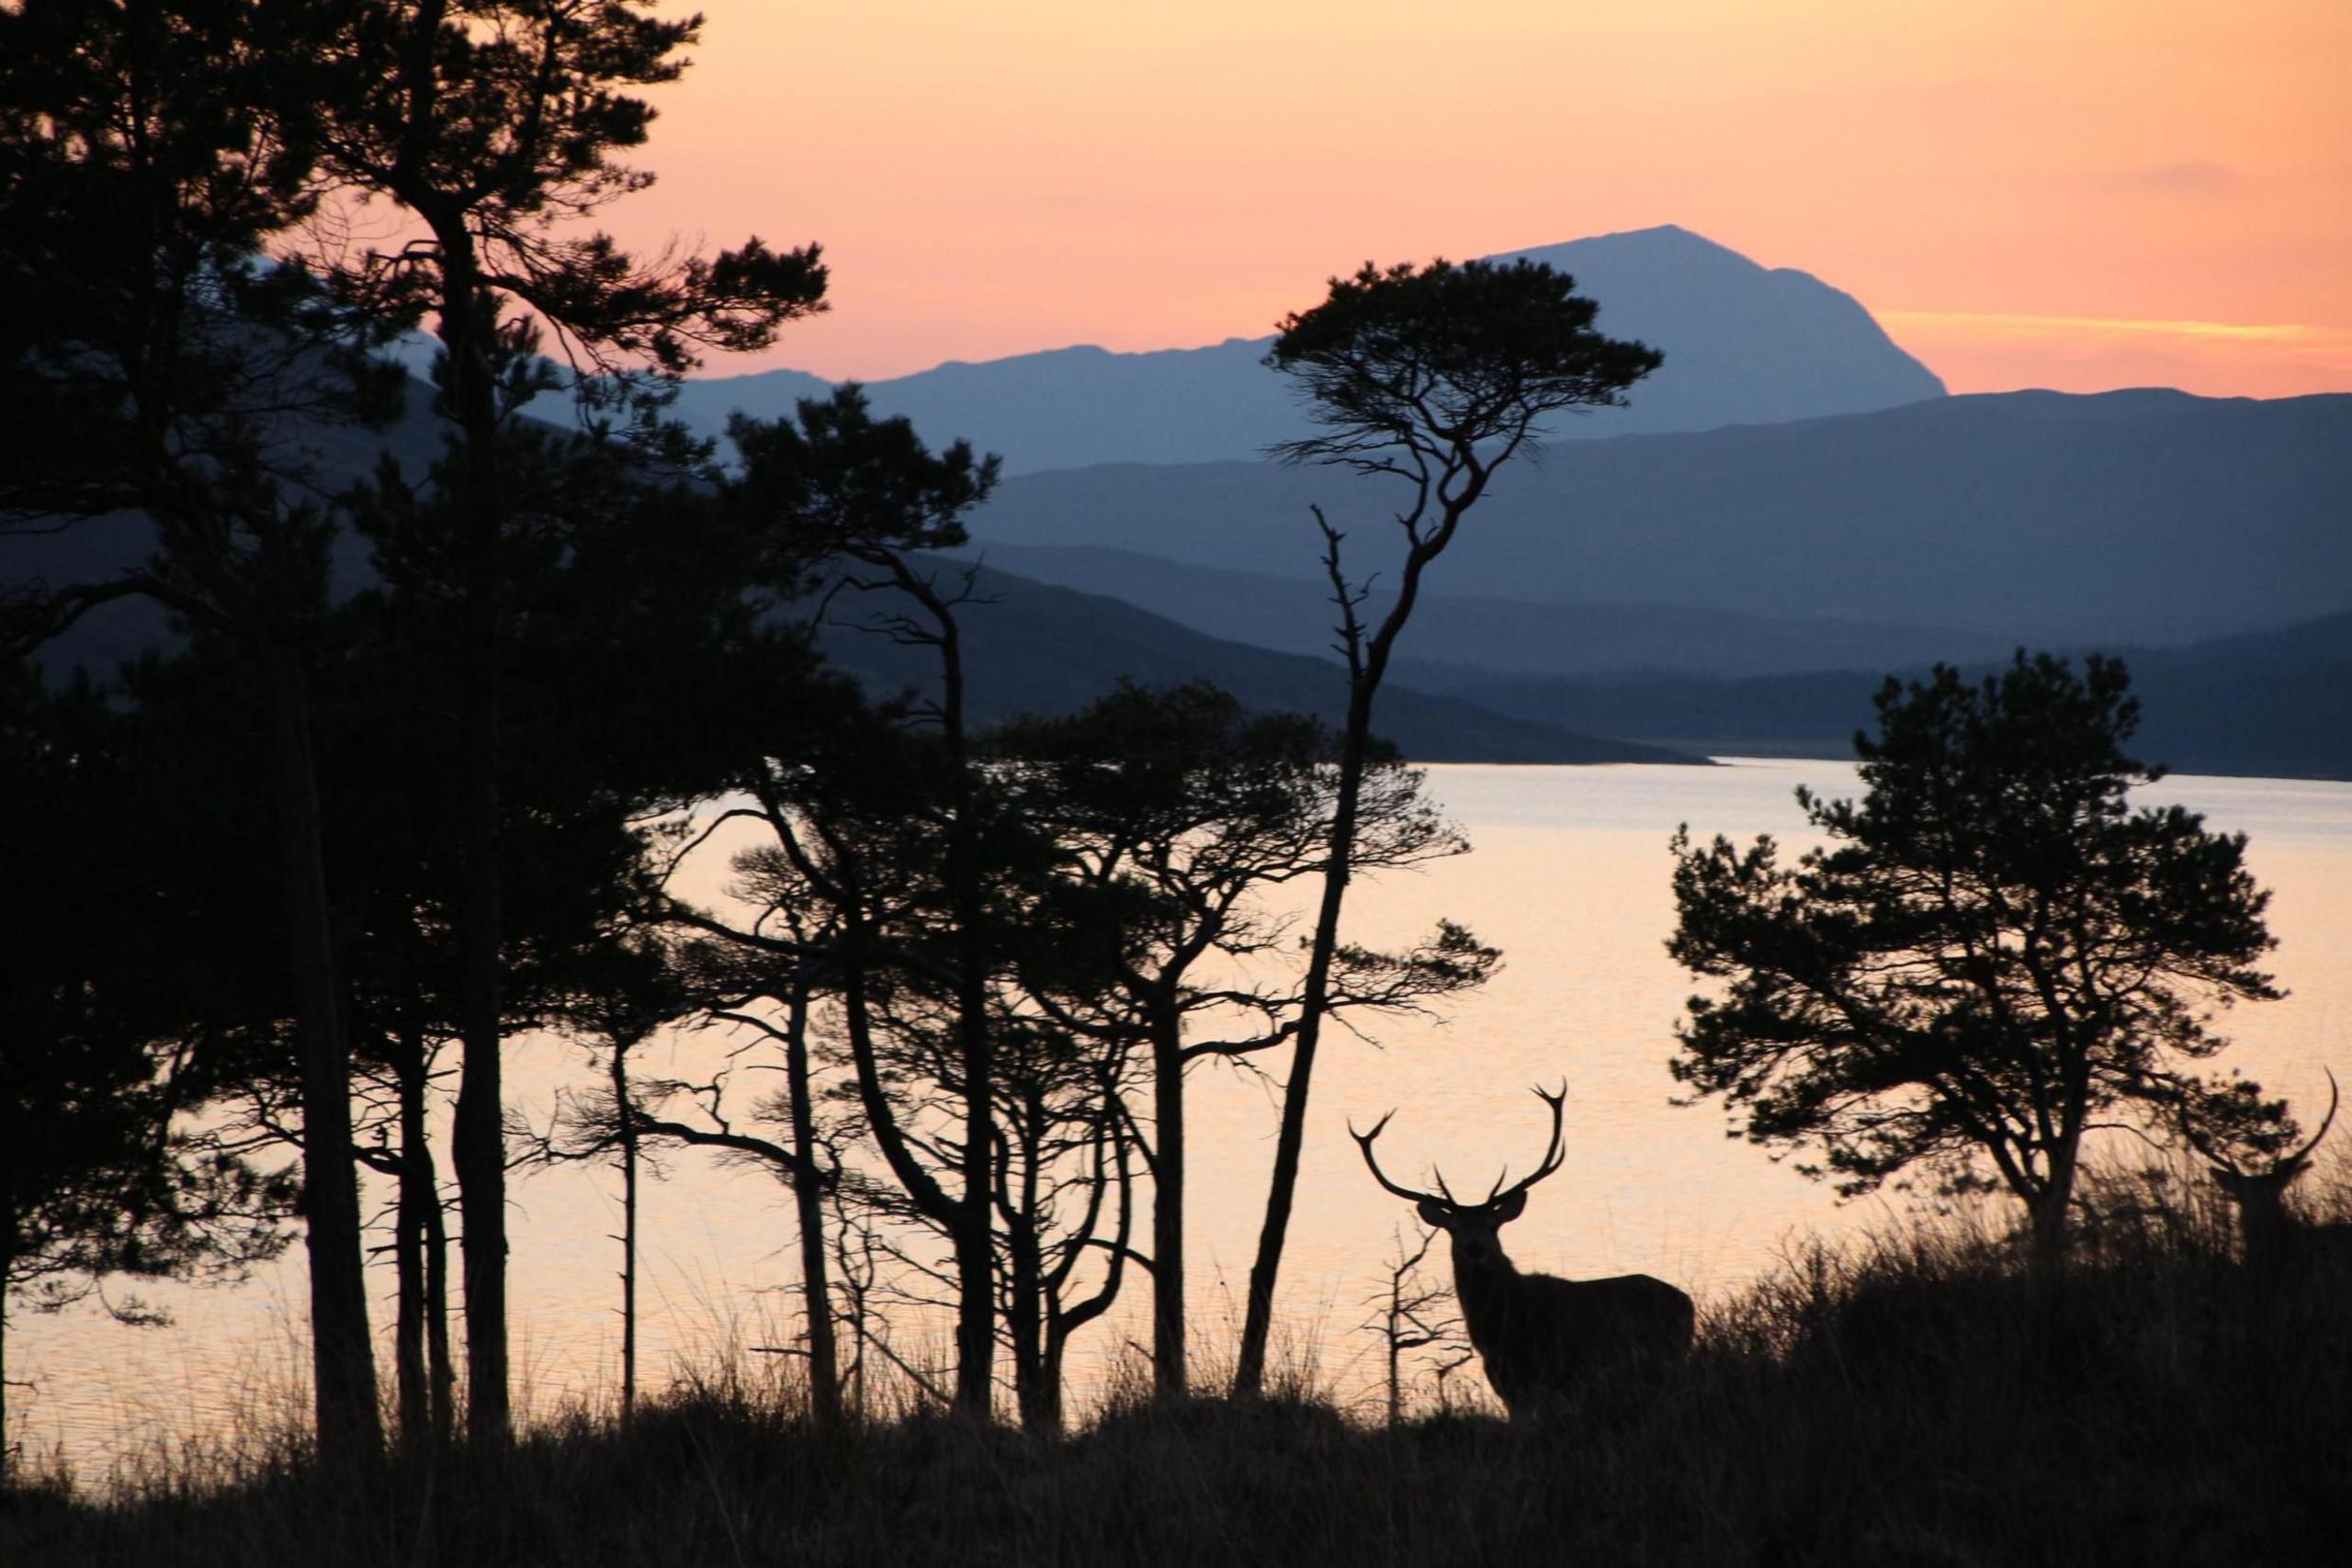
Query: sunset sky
x=2078, y=194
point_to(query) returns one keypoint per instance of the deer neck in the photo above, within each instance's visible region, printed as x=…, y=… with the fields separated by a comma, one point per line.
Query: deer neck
x=1484, y=1284
x=2268, y=1231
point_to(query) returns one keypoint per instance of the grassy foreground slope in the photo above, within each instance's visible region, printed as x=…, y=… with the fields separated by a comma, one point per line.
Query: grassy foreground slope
x=1917, y=1403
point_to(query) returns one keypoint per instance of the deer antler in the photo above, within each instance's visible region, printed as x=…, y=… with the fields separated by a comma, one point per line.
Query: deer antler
x=1553, y=1152
x=2221, y=1161
x=2335, y=1098
x=1364, y=1142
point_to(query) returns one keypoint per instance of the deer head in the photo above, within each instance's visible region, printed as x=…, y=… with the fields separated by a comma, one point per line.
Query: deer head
x=1473, y=1226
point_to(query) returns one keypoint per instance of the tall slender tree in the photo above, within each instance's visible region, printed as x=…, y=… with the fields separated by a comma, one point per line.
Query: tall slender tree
x=1432, y=379
x=866, y=496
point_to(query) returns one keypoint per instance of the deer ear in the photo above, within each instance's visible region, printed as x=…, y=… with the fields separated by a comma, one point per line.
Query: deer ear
x=1511, y=1206
x=1433, y=1213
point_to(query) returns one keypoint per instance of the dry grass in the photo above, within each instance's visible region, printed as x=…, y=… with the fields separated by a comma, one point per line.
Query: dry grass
x=1914, y=1401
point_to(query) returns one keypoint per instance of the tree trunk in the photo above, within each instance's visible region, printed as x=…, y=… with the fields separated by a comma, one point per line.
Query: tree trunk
x=1367, y=666
x=1256, y=1324
x=1024, y=1314
x=479, y=1152
x=441, y=1363
x=824, y=1361
x=8, y=1453
x=1026, y=1303
x=2051, y=1210
x=1171, y=1375
x=410, y=1228
x=975, y=1257
x=628, y=1230
x=343, y=1356
x=1044, y=1418
x=929, y=1196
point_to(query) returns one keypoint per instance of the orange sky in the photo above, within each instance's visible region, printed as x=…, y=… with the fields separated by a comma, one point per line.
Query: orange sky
x=2078, y=194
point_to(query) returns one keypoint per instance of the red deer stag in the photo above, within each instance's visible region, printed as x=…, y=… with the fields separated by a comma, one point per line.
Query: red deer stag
x=2270, y=1236
x=1541, y=1339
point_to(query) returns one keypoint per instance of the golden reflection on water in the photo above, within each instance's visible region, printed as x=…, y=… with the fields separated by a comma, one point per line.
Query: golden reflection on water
x=1568, y=875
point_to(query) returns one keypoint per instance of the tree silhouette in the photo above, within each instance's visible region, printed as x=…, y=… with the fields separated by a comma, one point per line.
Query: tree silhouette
x=495, y=127
x=150, y=362
x=1432, y=377
x=1995, y=950
x=619, y=584
x=1198, y=811
x=857, y=499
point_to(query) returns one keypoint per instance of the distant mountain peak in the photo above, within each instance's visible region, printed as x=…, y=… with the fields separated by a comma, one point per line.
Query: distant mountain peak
x=1658, y=236
x=1744, y=345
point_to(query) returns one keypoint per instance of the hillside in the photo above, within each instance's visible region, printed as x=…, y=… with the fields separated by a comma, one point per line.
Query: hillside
x=2277, y=704
x=1744, y=344
x=1470, y=635
x=2140, y=518
x=1038, y=649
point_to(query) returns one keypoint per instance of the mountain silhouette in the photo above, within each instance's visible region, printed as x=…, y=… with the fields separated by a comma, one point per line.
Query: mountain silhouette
x=1621, y=589
x=1744, y=344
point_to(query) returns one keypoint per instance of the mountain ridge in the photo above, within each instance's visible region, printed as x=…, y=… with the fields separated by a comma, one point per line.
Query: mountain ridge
x=1035, y=648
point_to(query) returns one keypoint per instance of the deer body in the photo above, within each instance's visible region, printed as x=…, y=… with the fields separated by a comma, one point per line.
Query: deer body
x=1543, y=1339
x=1538, y=1335
x=2272, y=1239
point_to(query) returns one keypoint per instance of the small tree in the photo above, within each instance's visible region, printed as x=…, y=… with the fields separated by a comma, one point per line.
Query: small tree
x=1410, y=1313
x=1434, y=378
x=1996, y=952
x=768, y=994
x=1200, y=813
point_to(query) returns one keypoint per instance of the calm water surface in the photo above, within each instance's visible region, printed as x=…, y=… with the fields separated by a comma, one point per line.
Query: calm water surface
x=1569, y=877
